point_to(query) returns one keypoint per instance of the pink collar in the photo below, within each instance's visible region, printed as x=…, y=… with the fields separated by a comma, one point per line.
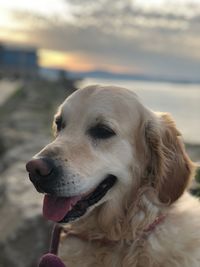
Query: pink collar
x=143, y=236
x=151, y=227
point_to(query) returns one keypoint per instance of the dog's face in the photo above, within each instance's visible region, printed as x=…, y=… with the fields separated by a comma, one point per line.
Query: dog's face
x=95, y=155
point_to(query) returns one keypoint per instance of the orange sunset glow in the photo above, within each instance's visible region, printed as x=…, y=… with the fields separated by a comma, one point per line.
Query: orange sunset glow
x=50, y=58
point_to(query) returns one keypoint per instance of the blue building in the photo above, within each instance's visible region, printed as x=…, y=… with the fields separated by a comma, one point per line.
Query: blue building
x=18, y=61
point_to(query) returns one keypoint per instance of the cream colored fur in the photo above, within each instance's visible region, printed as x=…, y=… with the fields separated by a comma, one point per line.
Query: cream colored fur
x=148, y=158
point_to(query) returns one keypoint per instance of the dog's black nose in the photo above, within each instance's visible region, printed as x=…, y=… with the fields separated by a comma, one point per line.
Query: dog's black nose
x=41, y=171
x=39, y=167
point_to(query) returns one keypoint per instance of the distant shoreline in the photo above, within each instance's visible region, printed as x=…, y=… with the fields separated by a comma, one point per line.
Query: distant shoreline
x=130, y=77
x=52, y=73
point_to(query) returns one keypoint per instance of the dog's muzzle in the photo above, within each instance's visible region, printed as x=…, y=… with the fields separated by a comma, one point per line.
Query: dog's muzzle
x=44, y=174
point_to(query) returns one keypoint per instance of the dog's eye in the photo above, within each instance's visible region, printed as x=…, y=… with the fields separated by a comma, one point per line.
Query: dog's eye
x=101, y=131
x=59, y=123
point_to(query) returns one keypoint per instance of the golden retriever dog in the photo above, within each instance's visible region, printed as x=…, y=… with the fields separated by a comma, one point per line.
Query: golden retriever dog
x=116, y=177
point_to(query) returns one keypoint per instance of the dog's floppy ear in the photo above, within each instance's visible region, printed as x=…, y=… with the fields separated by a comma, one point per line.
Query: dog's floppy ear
x=168, y=167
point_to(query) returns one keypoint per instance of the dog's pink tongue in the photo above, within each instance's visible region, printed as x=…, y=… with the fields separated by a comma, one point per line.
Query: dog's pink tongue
x=55, y=208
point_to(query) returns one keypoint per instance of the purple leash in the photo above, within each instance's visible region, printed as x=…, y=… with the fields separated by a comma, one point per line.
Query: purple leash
x=51, y=259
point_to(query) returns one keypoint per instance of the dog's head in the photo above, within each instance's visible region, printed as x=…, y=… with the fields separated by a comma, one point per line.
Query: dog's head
x=107, y=144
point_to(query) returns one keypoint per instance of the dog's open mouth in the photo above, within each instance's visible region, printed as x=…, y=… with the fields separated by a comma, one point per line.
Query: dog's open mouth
x=65, y=209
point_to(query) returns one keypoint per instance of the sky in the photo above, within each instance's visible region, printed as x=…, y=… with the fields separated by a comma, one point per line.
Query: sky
x=154, y=37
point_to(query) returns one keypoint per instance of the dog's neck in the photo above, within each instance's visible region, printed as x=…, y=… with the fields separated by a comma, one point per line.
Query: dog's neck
x=139, y=240
x=126, y=223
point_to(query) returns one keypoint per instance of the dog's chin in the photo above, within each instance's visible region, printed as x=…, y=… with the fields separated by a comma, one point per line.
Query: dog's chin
x=67, y=209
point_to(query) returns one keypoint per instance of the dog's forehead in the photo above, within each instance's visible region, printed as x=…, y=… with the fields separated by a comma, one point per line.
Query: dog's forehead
x=105, y=100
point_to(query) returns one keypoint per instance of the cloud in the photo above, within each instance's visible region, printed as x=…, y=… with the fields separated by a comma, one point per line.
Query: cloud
x=158, y=41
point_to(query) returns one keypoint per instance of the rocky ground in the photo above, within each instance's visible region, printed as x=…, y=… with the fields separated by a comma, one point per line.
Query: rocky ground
x=25, y=123
x=25, y=120
x=7, y=88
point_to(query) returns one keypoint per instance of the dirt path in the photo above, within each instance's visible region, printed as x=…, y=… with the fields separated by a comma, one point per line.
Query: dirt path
x=7, y=88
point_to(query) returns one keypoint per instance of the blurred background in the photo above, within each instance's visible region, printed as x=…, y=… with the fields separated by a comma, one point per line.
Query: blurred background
x=49, y=49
